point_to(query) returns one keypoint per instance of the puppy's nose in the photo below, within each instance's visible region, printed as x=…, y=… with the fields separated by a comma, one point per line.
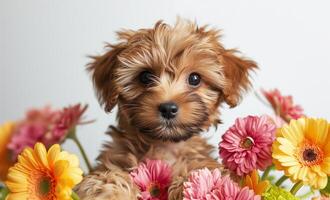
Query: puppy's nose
x=168, y=110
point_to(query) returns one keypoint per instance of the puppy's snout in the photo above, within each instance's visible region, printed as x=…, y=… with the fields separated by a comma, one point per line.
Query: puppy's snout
x=168, y=110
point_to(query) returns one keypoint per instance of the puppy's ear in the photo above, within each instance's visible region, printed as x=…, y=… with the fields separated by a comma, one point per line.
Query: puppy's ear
x=236, y=70
x=102, y=70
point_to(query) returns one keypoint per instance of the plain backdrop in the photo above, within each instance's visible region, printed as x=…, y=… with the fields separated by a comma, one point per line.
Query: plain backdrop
x=44, y=46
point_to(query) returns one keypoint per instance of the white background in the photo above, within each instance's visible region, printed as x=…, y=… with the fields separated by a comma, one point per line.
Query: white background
x=44, y=44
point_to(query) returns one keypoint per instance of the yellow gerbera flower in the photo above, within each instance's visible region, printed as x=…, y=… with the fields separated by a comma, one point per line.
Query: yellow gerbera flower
x=6, y=131
x=254, y=183
x=302, y=150
x=42, y=175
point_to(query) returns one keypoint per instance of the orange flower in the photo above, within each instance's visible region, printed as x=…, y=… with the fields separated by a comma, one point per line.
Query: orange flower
x=253, y=182
x=302, y=151
x=43, y=175
x=6, y=131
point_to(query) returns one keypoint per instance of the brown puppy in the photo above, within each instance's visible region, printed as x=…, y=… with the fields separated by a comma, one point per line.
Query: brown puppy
x=168, y=82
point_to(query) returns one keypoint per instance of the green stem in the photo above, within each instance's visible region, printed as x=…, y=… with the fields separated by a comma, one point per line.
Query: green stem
x=3, y=193
x=266, y=173
x=74, y=196
x=296, y=187
x=281, y=180
x=72, y=135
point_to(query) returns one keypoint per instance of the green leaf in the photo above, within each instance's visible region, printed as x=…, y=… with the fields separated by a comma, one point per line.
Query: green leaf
x=326, y=190
x=75, y=196
x=3, y=193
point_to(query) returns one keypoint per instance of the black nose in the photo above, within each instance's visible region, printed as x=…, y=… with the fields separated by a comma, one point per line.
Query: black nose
x=168, y=110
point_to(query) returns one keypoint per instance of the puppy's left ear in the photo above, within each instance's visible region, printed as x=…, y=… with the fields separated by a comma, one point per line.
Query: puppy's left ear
x=236, y=71
x=102, y=70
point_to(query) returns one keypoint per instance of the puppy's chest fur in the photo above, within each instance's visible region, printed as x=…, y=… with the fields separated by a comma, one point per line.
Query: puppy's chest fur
x=166, y=151
x=127, y=150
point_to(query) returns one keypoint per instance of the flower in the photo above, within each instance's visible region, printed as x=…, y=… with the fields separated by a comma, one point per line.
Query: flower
x=45, y=125
x=252, y=181
x=43, y=175
x=26, y=135
x=35, y=127
x=68, y=119
x=247, y=144
x=276, y=193
x=6, y=131
x=302, y=150
x=203, y=184
x=153, y=179
x=283, y=105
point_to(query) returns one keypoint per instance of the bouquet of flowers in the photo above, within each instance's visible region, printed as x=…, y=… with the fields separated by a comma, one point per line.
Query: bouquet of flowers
x=33, y=166
x=254, y=151
x=289, y=142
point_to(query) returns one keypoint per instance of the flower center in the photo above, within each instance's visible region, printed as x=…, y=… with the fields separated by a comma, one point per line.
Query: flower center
x=247, y=143
x=154, y=190
x=45, y=186
x=42, y=185
x=310, y=154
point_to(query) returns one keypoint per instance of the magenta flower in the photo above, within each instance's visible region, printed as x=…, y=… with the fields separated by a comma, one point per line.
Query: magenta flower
x=283, y=105
x=44, y=125
x=247, y=144
x=33, y=128
x=153, y=179
x=206, y=185
x=26, y=136
x=69, y=117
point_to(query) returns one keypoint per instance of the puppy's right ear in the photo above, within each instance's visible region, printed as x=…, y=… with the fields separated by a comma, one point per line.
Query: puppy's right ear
x=102, y=70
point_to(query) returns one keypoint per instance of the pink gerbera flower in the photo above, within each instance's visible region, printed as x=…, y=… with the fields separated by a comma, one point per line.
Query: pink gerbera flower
x=26, y=136
x=283, y=105
x=153, y=179
x=206, y=185
x=69, y=118
x=44, y=125
x=247, y=144
x=33, y=128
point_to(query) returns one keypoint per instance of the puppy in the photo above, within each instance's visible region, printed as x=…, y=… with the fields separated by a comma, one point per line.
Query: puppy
x=168, y=83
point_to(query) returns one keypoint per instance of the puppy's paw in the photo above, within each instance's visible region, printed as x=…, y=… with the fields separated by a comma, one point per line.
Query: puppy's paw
x=107, y=185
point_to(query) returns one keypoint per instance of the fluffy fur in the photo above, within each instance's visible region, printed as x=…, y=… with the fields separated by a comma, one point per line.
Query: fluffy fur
x=171, y=53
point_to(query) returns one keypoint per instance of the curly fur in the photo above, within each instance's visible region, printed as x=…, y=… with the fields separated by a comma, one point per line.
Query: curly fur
x=171, y=53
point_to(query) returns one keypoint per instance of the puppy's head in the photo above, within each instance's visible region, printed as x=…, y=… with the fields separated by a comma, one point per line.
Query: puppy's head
x=169, y=81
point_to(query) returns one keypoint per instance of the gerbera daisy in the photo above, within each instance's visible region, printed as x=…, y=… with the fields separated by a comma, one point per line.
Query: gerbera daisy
x=283, y=105
x=26, y=135
x=247, y=144
x=252, y=181
x=302, y=150
x=69, y=117
x=43, y=175
x=204, y=184
x=45, y=125
x=153, y=179
x=35, y=127
x=6, y=131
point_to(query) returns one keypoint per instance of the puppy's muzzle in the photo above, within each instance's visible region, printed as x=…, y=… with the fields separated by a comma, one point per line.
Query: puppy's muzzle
x=168, y=110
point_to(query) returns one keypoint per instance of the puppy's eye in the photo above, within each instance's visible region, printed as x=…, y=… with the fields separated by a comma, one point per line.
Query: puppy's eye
x=194, y=79
x=146, y=77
